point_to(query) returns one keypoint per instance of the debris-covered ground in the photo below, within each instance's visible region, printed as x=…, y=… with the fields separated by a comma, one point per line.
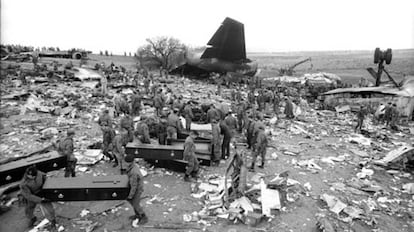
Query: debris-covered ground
x=318, y=172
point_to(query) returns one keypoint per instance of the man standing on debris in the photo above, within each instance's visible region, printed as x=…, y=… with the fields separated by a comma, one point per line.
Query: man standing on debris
x=261, y=144
x=136, y=103
x=188, y=115
x=128, y=124
x=212, y=113
x=227, y=135
x=142, y=131
x=241, y=115
x=136, y=189
x=118, y=149
x=288, y=108
x=104, y=83
x=388, y=113
x=158, y=102
x=360, y=119
x=65, y=148
x=394, y=117
x=162, y=131
x=173, y=125
x=249, y=130
x=215, y=142
x=276, y=102
x=108, y=135
x=190, y=156
x=231, y=123
x=30, y=186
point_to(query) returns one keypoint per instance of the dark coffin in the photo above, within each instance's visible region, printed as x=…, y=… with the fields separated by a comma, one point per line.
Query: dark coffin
x=14, y=171
x=155, y=151
x=91, y=188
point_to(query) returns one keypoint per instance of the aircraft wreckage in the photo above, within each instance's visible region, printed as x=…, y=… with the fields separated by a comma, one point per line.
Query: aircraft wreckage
x=225, y=54
x=402, y=94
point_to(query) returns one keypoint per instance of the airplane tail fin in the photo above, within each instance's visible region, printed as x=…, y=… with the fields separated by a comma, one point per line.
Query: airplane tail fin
x=228, y=42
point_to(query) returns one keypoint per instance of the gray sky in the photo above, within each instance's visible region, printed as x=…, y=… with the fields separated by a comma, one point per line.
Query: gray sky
x=294, y=25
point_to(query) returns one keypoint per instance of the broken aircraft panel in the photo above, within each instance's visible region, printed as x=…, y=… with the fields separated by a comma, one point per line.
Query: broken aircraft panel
x=403, y=97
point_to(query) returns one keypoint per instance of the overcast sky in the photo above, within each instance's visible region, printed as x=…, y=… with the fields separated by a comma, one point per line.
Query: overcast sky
x=294, y=25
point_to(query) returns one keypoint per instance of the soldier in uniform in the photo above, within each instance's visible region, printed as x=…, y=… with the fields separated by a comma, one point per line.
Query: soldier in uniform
x=118, y=149
x=261, y=144
x=65, y=148
x=136, y=104
x=188, y=115
x=227, y=135
x=158, y=102
x=249, y=131
x=212, y=113
x=142, y=131
x=108, y=135
x=190, y=157
x=136, y=189
x=241, y=114
x=231, y=122
x=104, y=118
x=162, y=131
x=360, y=119
x=216, y=143
x=30, y=186
x=173, y=125
x=128, y=124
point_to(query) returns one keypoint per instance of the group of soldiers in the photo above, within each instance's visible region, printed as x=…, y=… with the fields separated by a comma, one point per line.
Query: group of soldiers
x=168, y=109
x=384, y=114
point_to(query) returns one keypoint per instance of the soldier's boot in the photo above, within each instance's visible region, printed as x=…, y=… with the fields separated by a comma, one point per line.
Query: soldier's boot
x=52, y=226
x=143, y=219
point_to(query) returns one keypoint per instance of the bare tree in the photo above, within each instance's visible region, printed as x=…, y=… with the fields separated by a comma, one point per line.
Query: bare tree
x=162, y=50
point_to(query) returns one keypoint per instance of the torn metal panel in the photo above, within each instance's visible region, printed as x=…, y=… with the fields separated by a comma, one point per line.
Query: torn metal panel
x=403, y=97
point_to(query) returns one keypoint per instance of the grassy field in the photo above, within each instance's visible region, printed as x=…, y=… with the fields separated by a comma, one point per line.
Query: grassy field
x=349, y=65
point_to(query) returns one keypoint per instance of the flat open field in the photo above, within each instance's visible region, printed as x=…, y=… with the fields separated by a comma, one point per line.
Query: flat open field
x=349, y=65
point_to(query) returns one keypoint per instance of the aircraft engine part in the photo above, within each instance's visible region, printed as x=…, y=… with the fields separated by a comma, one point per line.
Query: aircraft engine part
x=77, y=55
x=380, y=56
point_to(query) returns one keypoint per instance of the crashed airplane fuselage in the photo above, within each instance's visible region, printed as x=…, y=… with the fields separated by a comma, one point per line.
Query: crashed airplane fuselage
x=403, y=97
x=226, y=53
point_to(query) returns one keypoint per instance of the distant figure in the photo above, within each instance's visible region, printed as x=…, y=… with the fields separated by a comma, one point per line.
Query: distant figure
x=104, y=84
x=394, y=117
x=288, y=108
x=360, y=119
